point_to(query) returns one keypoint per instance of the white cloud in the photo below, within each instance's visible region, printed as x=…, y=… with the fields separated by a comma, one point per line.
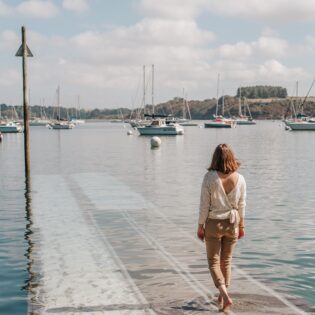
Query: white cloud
x=280, y=72
x=38, y=8
x=275, y=10
x=9, y=40
x=9, y=78
x=75, y=5
x=263, y=47
x=105, y=65
x=271, y=46
x=4, y=9
x=151, y=40
x=174, y=9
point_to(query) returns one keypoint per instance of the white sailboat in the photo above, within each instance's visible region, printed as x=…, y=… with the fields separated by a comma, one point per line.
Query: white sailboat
x=60, y=124
x=9, y=126
x=220, y=121
x=186, y=122
x=77, y=120
x=242, y=118
x=301, y=122
x=142, y=120
x=42, y=120
x=159, y=125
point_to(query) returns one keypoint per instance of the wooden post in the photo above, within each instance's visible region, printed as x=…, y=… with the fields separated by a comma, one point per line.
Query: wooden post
x=25, y=52
x=25, y=107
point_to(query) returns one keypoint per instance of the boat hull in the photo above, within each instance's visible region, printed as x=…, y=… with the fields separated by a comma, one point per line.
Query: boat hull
x=61, y=126
x=217, y=125
x=38, y=124
x=188, y=124
x=301, y=126
x=10, y=129
x=246, y=122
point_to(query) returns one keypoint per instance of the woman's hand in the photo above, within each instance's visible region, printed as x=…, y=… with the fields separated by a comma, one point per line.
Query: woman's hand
x=241, y=232
x=201, y=232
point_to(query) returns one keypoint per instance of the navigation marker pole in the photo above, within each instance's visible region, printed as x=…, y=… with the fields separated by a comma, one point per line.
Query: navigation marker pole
x=25, y=52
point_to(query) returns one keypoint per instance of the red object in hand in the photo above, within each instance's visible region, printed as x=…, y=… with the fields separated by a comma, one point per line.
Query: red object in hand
x=201, y=233
x=241, y=233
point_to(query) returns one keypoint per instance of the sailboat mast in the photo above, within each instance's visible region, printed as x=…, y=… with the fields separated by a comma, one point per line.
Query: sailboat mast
x=222, y=102
x=240, y=103
x=153, y=89
x=58, y=101
x=184, y=105
x=143, y=87
x=247, y=106
x=218, y=87
x=188, y=109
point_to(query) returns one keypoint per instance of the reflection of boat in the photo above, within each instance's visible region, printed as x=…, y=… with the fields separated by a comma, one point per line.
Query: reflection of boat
x=10, y=127
x=1, y=136
x=159, y=127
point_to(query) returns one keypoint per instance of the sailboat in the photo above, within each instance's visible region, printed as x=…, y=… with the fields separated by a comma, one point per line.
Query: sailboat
x=59, y=123
x=301, y=121
x=77, y=120
x=184, y=121
x=159, y=124
x=220, y=121
x=42, y=120
x=142, y=120
x=9, y=126
x=243, y=119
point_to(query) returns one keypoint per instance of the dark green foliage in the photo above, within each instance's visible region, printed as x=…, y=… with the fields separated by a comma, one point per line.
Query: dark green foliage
x=260, y=109
x=262, y=91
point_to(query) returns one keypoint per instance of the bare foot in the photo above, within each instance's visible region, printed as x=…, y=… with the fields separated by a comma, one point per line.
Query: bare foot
x=227, y=304
x=220, y=301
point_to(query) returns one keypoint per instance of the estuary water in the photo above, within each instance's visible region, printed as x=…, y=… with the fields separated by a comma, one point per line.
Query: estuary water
x=75, y=165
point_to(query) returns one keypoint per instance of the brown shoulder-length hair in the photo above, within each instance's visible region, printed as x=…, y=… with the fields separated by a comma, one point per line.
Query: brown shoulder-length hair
x=224, y=160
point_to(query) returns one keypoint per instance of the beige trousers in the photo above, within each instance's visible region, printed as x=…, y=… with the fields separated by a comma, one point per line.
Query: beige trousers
x=220, y=237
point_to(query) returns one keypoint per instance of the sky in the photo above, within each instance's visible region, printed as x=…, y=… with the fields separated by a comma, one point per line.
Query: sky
x=96, y=49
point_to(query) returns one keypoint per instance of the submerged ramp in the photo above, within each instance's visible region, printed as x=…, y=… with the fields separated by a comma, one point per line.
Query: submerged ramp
x=102, y=248
x=80, y=272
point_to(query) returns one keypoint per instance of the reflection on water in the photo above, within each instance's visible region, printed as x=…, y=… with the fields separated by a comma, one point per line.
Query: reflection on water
x=278, y=167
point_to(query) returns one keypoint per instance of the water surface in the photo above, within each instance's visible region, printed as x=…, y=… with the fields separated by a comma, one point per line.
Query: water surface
x=278, y=167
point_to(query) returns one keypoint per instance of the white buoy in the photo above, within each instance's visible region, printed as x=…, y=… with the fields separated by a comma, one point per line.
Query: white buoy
x=200, y=126
x=129, y=133
x=155, y=142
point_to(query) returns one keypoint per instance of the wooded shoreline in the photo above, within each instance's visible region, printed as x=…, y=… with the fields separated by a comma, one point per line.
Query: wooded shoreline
x=273, y=108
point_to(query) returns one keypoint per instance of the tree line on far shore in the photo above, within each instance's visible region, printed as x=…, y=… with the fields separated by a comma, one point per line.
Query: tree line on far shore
x=262, y=91
x=266, y=102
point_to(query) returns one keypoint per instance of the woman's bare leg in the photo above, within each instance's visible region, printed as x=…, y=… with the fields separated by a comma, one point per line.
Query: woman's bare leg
x=227, y=301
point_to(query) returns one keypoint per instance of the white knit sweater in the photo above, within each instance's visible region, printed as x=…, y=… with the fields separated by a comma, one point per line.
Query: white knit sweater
x=215, y=203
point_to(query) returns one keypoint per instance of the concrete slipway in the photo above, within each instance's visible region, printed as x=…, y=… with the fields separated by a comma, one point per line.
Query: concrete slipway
x=101, y=248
